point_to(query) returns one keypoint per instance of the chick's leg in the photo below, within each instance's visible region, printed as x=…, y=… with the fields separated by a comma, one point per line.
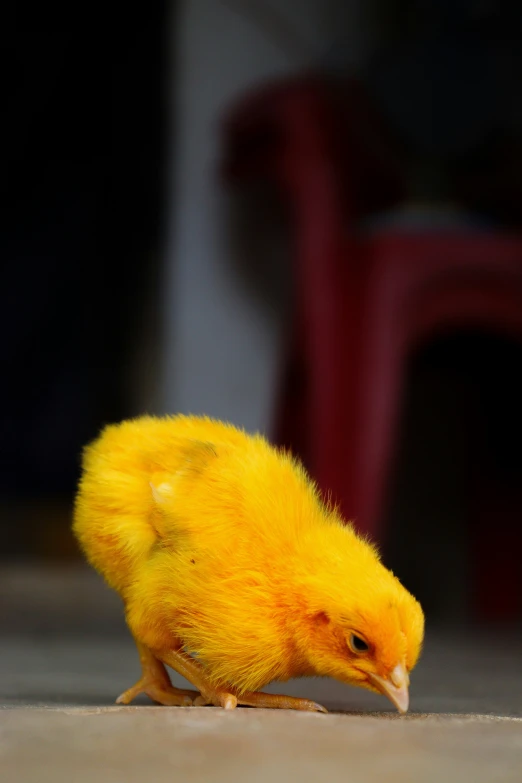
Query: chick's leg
x=221, y=697
x=194, y=673
x=155, y=682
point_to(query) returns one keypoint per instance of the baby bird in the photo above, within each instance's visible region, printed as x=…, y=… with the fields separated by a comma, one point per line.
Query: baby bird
x=234, y=572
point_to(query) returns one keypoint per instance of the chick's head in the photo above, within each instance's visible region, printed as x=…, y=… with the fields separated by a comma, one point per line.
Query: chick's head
x=367, y=634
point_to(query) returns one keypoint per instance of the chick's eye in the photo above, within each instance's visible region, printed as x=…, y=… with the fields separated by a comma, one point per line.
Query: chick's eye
x=357, y=644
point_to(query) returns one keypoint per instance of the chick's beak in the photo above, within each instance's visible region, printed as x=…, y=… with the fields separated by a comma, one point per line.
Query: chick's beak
x=395, y=687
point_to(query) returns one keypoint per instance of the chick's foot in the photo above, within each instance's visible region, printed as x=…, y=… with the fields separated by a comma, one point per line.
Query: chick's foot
x=227, y=698
x=155, y=682
x=274, y=701
x=167, y=695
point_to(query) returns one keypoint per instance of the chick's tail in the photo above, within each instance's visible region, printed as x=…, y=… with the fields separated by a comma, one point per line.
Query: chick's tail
x=115, y=517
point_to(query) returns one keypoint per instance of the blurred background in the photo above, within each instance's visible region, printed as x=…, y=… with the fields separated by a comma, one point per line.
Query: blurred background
x=302, y=216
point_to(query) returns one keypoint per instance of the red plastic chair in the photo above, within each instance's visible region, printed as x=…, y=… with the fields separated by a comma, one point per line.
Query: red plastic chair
x=363, y=303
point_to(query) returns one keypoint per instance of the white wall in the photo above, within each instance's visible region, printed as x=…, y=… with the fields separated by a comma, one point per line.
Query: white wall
x=221, y=347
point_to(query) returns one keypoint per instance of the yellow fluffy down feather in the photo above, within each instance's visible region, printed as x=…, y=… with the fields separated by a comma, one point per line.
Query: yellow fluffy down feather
x=230, y=566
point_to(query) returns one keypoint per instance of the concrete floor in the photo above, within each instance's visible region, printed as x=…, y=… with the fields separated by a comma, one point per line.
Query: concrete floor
x=115, y=745
x=62, y=665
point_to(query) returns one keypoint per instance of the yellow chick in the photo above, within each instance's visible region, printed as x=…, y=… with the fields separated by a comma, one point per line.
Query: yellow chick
x=234, y=572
